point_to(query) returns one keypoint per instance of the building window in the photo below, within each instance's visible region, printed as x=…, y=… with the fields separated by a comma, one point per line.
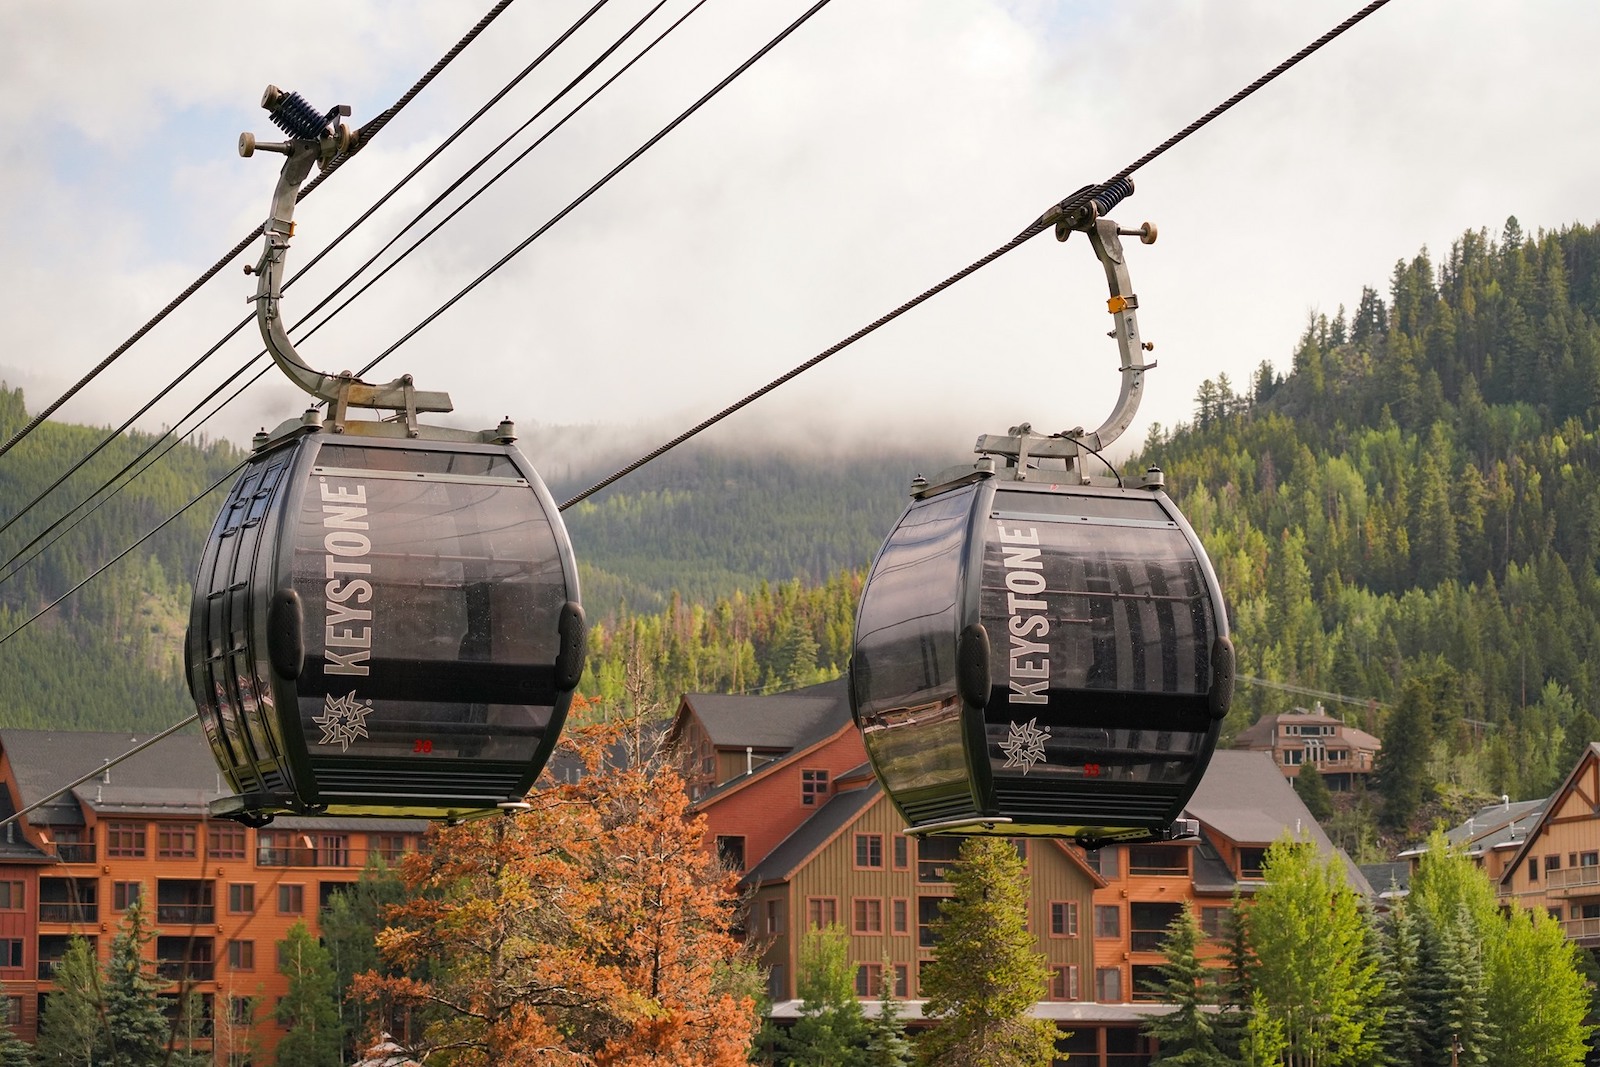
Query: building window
x=774, y=916
x=1533, y=871
x=821, y=912
x=1293, y=757
x=13, y=1012
x=1148, y=923
x=813, y=784
x=868, y=915
x=225, y=841
x=935, y=856
x=1063, y=918
x=1103, y=861
x=730, y=851
x=1107, y=921
x=1108, y=985
x=902, y=852
x=177, y=841
x=1552, y=863
x=74, y=844
x=242, y=955
x=869, y=851
x=390, y=846
x=291, y=899
x=900, y=912
x=241, y=1011
x=125, y=895
x=1589, y=859
x=10, y=896
x=927, y=916
x=1251, y=861
x=869, y=979
x=241, y=899
x=1158, y=860
x=777, y=989
x=902, y=980
x=10, y=952
x=1146, y=982
x=1214, y=922
x=1064, y=982
x=125, y=840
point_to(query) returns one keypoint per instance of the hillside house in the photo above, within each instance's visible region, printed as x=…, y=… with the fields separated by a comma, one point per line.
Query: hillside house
x=1344, y=755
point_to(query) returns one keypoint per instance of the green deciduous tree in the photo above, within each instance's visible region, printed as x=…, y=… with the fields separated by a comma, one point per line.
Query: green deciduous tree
x=987, y=973
x=831, y=1029
x=307, y=1010
x=1315, y=974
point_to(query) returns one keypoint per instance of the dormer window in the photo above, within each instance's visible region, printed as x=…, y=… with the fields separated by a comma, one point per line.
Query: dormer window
x=813, y=784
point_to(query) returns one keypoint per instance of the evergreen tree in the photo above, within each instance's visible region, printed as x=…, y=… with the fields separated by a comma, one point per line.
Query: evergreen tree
x=1313, y=792
x=1236, y=997
x=887, y=1045
x=14, y=1052
x=307, y=1010
x=1187, y=1036
x=1402, y=765
x=71, y=1030
x=1402, y=965
x=1315, y=975
x=136, y=1032
x=831, y=1029
x=987, y=973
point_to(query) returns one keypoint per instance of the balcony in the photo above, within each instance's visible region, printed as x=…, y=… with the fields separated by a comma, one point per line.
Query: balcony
x=75, y=853
x=69, y=900
x=1574, y=881
x=327, y=854
x=1585, y=932
x=69, y=913
x=184, y=902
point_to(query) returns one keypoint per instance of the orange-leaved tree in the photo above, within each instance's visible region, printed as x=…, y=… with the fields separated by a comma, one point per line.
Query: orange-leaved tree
x=594, y=928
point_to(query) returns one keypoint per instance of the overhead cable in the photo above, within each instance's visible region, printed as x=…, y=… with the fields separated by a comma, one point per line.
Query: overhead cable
x=366, y=134
x=1044, y=222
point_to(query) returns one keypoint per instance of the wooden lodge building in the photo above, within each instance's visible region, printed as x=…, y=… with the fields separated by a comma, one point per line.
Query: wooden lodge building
x=784, y=783
x=1344, y=755
x=218, y=896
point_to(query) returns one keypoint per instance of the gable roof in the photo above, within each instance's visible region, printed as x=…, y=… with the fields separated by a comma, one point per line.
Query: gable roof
x=1245, y=798
x=1553, y=805
x=176, y=775
x=789, y=720
x=1498, y=826
x=810, y=836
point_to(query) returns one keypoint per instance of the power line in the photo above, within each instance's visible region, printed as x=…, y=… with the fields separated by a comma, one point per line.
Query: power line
x=365, y=135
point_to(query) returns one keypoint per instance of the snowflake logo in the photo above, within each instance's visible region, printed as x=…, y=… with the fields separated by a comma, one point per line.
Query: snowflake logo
x=343, y=719
x=1024, y=745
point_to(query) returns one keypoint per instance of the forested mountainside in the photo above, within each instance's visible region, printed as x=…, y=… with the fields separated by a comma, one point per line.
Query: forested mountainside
x=1412, y=513
x=1408, y=515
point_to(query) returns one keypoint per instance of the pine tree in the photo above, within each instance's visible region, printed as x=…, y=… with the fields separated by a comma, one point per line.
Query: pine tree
x=987, y=973
x=71, y=1031
x=831, y=1030
x=1312, y=789
x=307, y=1010
x=887, y=1045
x=1236, y=999
x=14, y=1052
x=1402, y=765
x=1187, y=1036
x=1402, y=967
x=136, y=1032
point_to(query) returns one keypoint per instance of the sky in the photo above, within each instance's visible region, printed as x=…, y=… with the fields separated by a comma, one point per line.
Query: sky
x=883, y=146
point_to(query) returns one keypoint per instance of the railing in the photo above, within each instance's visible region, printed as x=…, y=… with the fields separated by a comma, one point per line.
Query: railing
x=78, y=853
x=69, y=913
x=301, y=856
x=177, y=970
x=186, y=913
x=1582, y=929
x=1147, y=940
x=47, y=969
x=1573, y=878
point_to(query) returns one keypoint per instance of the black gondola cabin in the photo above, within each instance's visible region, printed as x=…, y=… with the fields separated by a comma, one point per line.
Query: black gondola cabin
x=384, y=626
x=1038, y=658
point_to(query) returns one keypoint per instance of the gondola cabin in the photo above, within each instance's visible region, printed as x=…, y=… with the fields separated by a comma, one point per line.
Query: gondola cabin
x=384, y=625
x=1041, y=658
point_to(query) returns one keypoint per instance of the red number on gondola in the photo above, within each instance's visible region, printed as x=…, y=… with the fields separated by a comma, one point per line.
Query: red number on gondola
x=422, y=745
x=1091, y=770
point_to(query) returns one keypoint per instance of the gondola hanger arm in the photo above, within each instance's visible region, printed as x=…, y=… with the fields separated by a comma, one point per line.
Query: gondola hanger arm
x=314, y=139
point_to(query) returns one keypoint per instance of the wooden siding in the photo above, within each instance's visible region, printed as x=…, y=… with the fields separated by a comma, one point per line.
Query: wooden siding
x=1568, y=837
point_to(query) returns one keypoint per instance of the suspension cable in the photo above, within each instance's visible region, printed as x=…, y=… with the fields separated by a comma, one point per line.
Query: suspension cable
x=1038, y=226
x=459, y=131
x=171, y=434
x=367, y=132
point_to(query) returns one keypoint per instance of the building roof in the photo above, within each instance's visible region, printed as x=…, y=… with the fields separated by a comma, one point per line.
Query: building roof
x=776, y=721
x=1245, y=798
x=792, y=852
x=1499, y=826
x=1389, y=879
x=176, y=775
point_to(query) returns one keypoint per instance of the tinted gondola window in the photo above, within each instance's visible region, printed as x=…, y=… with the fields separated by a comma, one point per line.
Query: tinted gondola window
x=428, y=593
